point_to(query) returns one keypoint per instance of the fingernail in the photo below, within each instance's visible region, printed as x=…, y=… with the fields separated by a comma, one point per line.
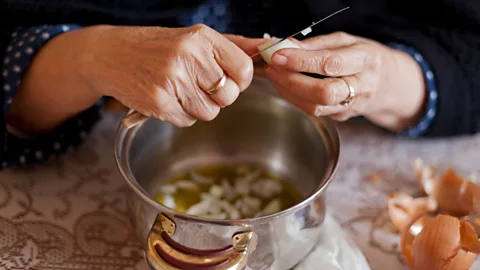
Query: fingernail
x=279, y=59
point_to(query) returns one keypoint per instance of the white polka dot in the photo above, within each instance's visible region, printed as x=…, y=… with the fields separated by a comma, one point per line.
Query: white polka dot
x=20, y=43
x=431, y=113
x=5, y=73
x=6, y=60
x=16, y=69
x=6, y=87
x=433, y=95
x=418, y=57
x=31, y=39
x=56, y=146
x=422, y=126
x=65, y=28
x=14, y=34
x=429, y=75
x=83, y=134
x=9, y=101
x=45, y=35
x=9, y=48
x=29, y=50
x=38, y=155
x=17, y=54
x=22, y=159
x=37, y=31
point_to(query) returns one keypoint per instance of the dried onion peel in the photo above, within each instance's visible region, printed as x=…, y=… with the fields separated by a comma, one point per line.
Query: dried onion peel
x=439, y=245
x=455, y=195
x=402, y=207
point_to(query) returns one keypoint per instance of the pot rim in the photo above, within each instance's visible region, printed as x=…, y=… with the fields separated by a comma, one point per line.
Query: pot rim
x=121, y=152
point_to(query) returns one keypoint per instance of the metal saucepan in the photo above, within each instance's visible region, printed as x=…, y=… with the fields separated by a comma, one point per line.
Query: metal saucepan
x=260, y=127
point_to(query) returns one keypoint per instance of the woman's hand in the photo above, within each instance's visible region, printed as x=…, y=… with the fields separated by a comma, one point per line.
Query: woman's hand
x=160, y=72
x=388, y=84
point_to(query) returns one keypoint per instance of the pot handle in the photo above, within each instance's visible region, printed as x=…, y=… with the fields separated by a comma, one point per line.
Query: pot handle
x=165, y=253
x=132, y=119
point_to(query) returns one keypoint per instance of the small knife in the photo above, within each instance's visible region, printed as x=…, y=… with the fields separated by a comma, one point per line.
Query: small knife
x=305, y=30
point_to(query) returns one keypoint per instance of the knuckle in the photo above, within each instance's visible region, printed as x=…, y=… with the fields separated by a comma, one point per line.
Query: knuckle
x=333, y=65
x=373, y=60
x=200, y=28
x=245, y=74
x=329, y=94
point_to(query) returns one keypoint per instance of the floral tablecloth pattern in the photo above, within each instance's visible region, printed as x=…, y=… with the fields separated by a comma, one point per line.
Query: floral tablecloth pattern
x=71, y=213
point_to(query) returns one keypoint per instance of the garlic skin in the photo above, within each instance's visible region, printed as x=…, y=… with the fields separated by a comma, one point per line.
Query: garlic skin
x=267, y=54
x=437, y=246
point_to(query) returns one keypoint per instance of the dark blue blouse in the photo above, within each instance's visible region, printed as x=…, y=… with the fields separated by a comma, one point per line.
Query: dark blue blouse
x=20, y=149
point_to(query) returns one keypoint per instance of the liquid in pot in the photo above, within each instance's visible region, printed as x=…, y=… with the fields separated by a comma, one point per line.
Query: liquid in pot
x=235, y=191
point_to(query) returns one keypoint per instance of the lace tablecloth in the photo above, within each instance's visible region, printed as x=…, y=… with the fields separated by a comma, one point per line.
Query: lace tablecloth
x=70, y=213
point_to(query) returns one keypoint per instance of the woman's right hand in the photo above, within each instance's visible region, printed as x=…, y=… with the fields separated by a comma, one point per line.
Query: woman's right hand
x=165, y=72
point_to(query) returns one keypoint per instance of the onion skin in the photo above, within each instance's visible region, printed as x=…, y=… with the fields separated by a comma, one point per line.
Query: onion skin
x=437, y=246
x=455, y=196
x=402, y=207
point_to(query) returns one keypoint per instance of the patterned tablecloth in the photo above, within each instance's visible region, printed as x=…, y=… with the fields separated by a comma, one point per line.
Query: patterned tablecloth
x=70, y=213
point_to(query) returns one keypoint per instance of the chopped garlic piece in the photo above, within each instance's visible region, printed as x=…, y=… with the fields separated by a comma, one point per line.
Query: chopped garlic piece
x=216, y=191
x=200, y=208
x=267, y=188
x=168, y=189
x=169, y=201
x=242, y=184
x=272, y=207
x=228, y=191
x=306, y=31
x=248, y=206
x=200, y=178
x=186, y=184
x=232, y=212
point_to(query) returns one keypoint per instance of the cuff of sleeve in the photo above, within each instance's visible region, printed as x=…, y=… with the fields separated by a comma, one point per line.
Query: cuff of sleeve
x=426, y=121
x=19, y=150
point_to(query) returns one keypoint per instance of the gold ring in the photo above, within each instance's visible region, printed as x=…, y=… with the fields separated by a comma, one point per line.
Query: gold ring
x=218, y=86
x=351, y=95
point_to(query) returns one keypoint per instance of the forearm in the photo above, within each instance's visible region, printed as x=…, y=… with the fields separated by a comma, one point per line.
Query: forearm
x=52, y=89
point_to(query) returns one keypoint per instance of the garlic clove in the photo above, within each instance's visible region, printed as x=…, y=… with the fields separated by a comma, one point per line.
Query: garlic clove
x=402, y=207
x=268, y=53
x=437, y=246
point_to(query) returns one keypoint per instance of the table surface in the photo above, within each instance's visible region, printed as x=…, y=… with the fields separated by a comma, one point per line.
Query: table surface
x=79, y=200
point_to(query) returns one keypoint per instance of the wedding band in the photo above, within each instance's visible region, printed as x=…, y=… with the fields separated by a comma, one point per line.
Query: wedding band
x=218, y=86
x=351, y=95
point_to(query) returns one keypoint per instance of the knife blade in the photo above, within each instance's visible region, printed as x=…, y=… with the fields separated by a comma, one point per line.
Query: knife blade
x=313, y=24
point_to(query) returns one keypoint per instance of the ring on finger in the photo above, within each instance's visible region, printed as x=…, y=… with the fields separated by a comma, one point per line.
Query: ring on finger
x=218, y=85
x=351, y=95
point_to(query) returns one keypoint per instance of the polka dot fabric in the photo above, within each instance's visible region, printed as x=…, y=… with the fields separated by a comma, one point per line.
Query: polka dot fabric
x=214, y=13
x=431, y=108
x=19, y=149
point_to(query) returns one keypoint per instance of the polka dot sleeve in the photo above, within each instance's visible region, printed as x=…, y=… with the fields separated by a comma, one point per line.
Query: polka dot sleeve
x=431, y=108
x=19, y=149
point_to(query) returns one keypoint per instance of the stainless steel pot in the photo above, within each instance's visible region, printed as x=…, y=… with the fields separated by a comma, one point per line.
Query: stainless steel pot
x=260, y=127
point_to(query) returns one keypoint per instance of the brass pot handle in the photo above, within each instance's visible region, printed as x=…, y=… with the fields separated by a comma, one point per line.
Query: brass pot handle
x=132, y=119
x=165, y=253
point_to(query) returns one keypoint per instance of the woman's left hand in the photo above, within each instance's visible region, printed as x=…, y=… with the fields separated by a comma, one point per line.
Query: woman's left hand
x=387, y=83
